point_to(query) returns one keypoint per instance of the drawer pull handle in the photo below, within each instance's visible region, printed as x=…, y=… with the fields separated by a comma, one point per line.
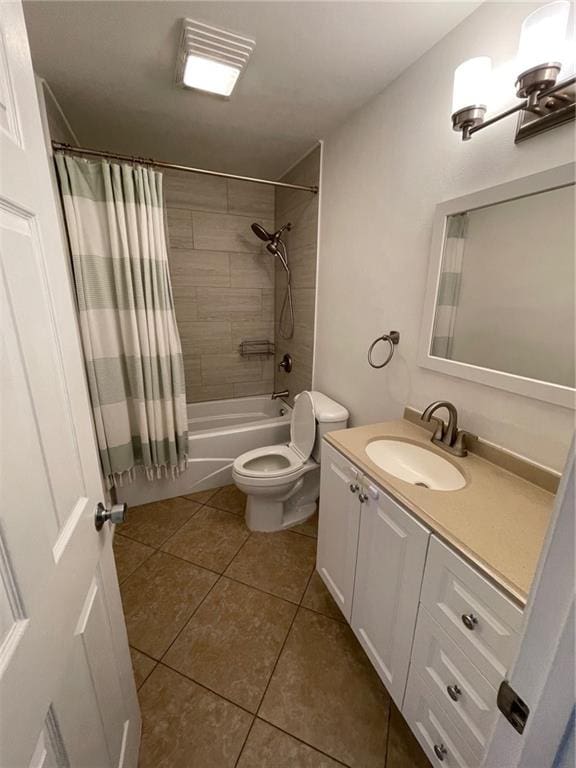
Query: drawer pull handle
x=440, y=751
x=469, y=620
x=454, y=692
x=354, y=487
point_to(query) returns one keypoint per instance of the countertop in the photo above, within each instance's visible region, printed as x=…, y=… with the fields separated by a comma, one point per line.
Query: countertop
x=498, y=521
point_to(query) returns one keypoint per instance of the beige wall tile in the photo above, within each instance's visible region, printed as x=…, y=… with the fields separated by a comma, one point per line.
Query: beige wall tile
x=252, y=270
x=251, y=329
x=229, y=369
x=246, y=389
x=229, y=304
x=197, y=393
x=205, y=337
x=303, y=266
x=179, y=223
x=225, y=232
x=185, y=304
x=267, y=305
x=251, y=199
x=306, y=172
x=195, y=192
x=199, y=268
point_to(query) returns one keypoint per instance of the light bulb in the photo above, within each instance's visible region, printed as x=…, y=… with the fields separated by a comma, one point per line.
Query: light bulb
x=543, y=35
x=471, y=83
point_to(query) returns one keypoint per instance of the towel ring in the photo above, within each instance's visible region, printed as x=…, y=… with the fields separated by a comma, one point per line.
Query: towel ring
x=392, y=338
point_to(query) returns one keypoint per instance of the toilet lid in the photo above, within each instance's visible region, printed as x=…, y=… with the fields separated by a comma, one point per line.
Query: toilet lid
x=303, y=425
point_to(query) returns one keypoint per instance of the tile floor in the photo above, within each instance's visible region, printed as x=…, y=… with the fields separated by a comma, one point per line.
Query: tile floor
x=241, y=657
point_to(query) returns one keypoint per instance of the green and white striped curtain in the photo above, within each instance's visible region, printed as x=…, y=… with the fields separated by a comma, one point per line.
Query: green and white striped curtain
x=115, y=221
x=449, y=287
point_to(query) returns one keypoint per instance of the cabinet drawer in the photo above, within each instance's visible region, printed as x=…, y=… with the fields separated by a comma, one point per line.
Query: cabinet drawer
x=477, y=616
x=439, y=737
x=442, y=665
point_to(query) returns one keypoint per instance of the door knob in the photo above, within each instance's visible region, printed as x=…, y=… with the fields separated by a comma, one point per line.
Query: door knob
x=115, y=514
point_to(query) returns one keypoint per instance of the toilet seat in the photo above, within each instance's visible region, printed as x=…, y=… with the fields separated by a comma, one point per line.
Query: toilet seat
x=283, y=462
x=280, y=461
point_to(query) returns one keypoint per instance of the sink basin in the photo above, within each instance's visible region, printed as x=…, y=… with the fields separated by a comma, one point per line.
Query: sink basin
x=415, y=465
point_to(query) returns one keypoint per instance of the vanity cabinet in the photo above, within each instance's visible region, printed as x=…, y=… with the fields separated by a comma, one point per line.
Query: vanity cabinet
x=371, y=556
x=338, y=526
x=440, y=635
x=391, y=556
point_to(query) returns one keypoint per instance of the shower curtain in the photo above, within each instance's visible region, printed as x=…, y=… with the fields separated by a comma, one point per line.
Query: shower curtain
x=449, y=288
x=115, y=220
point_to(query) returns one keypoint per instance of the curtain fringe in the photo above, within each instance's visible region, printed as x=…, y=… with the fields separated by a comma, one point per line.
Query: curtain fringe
x=154, y=472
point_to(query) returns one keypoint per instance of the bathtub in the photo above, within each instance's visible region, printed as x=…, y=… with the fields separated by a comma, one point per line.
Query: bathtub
x=218, y=432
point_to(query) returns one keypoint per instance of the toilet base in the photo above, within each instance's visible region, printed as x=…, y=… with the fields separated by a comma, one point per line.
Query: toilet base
x=264, y=514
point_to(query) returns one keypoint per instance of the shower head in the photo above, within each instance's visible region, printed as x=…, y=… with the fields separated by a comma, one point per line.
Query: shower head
x=272, y=240
x=260, y=232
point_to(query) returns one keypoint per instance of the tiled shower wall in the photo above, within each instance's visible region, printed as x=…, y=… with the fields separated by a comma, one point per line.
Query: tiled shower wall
x=301, y=209
x=223, y=282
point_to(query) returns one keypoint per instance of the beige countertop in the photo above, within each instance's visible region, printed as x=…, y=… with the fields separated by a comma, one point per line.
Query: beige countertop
x=498, y=520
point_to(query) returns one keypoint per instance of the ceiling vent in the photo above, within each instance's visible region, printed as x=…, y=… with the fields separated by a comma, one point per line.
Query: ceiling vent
x=211, y=59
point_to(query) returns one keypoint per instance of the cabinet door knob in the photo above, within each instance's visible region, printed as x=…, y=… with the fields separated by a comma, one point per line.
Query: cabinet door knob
x=362, y=498
x=354, y=487
x=469, y=620
x=454, y=692
x=440, y=751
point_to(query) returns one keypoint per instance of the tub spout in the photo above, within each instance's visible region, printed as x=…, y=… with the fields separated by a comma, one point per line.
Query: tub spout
x=284, y=393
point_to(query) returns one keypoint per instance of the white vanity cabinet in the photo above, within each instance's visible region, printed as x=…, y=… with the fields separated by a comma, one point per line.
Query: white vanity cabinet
x=371, y=556
x=391, y=556
x=439, y=633
x=338, y=526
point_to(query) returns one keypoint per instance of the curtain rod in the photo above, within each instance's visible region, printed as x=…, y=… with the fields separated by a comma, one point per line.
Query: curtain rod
x=160, y=164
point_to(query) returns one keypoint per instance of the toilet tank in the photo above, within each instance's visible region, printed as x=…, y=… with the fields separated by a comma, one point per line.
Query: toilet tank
x=330, y=416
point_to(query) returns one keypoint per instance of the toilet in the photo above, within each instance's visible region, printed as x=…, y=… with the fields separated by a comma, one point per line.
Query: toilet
x=282, y=482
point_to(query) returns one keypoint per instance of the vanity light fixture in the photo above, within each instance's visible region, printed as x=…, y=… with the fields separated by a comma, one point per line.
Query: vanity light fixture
x=211, y=59
x=545, y=103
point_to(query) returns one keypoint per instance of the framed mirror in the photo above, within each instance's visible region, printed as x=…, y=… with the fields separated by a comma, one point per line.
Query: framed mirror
x=500, y=301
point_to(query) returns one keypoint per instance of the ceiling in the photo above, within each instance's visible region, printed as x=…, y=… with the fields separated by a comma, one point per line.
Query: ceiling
x=111, y=66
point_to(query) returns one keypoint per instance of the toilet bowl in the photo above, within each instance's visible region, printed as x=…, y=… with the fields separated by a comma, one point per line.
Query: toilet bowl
x=282, y=482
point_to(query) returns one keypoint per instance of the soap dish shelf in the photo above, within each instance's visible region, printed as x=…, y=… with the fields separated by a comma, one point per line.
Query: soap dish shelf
x=256, y=348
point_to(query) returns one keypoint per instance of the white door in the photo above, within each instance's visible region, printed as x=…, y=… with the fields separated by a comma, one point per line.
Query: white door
x=391, y=557
x=67, y=694
x=338, y=524
x=543, y=673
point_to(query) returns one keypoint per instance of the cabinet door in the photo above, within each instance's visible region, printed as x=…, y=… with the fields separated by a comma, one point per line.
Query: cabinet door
x=338, y=524
x=391, y=556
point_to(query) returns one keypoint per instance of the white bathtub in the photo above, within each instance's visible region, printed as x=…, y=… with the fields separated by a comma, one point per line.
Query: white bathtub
x=218, y=432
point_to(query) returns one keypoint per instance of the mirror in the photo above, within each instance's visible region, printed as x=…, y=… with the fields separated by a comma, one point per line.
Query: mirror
x=503, y=288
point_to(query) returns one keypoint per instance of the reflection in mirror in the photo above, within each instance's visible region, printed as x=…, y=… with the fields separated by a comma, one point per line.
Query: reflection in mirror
x=506, y=292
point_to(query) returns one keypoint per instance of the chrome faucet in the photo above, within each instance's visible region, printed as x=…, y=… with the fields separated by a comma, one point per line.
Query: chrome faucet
x=448, y=437
x=284, y=393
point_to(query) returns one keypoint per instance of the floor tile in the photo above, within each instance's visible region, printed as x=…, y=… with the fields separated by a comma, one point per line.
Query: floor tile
x=308, y=527
x=230, y=499
x=186, y=726
x=211, y=538
x=325, y=692
x=128, y=555
x=318, y=599
x=153, y=523
x=403, y=748
x=279, y=563
x=142, y=666
x=201, y=496
x=267, y=747
x=232, y=642
x=159, y=598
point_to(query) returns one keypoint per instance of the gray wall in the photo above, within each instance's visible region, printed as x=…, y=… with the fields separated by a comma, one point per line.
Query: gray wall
x=223, y=282
x=384, y=171
x=301, y=209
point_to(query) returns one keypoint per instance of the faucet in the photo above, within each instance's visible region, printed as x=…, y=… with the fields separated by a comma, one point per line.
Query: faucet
x=284, y=393
x=448, y=437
